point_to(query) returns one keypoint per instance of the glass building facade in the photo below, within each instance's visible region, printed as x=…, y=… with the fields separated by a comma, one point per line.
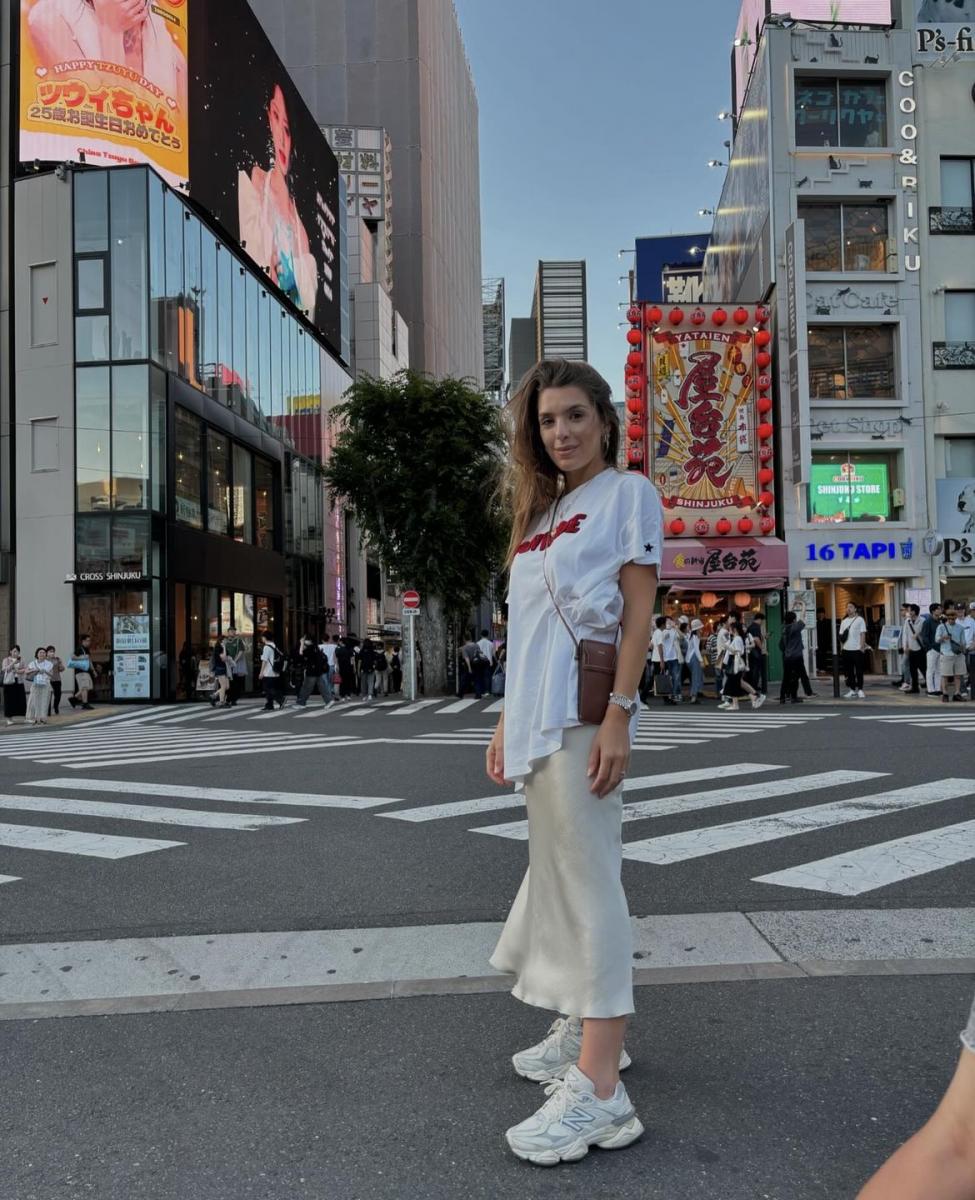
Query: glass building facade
x=199, y=400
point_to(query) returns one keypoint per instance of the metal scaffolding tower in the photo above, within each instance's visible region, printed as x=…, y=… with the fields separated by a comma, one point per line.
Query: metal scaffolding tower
x=492, y=308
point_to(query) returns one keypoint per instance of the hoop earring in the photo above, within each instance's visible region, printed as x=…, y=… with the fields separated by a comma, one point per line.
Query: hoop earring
x=605, y=443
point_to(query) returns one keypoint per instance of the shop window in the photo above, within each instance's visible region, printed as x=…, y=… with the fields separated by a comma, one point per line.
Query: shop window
x=851, y=362
x=218, y=482
x=90, y=211
x=130, y=437
x=93, y=543
x=157, y=417
x=846, y=237
x=129, y=265
x=92, y=438
x=130, y=543
x=188, y=433
x=264, y=515
x=243, y=501
x=956, y=213
x=960, y=458
x=854, y=486
x=840, y=112
x=957, y=351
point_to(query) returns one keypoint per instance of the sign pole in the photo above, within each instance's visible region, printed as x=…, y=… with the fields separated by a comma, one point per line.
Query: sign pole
x=411, y=689
x=836, y=649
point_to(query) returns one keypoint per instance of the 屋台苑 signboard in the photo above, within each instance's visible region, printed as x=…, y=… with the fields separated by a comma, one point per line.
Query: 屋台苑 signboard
x=704, y=446
x=106, y=83
x=261, y=164
x=849, y=491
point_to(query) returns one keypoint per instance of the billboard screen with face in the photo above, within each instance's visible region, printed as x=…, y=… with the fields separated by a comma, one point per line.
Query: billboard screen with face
x=105, y=82
x=260, y=163
x=707, y=444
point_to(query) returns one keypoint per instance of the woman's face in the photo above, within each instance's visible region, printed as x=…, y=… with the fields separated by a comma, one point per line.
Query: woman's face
x=277, y=115
x=41, y=655
x=571, y=430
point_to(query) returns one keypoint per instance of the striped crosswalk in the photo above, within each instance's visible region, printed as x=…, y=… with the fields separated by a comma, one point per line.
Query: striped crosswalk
x=957, y=720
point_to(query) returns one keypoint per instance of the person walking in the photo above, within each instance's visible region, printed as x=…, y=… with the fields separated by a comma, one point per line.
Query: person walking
x=853, y=639
x=80, y=661
x=469, y=675
x=718, y=654
x=313, y=665
x=735, y=683
x=666, y=658
x=757, y=653
x=57, y=666
x=693, y=660
x=584, y=553
x=911, y=646
x=382, y=669
x=14, y=693
x=272, y=668
x=793, y=653
x=396, y=671
x=236, y=649
x=329, y=648
x=345, y=660
x=485, y=661
x=950, y=638
x=967, y=621
x=39, y=701
x=929, y=644
x=367, y=666
x=219, y=670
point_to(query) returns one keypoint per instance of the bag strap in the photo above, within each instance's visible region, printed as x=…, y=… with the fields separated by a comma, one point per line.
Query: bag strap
x=548, y=542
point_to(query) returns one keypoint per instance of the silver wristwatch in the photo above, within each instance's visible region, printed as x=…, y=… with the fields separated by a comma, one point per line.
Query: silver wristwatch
x=630, y=707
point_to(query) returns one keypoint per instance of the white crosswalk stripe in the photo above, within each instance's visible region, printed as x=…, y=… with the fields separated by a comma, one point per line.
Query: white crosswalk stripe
x=678, y=847
x=871, y=867
x=67, y=841
x=154, y=814
x=9, y=878
x=669, y=806
x=223, y=795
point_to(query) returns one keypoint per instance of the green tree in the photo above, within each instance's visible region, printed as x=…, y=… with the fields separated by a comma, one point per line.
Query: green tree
x=416, y=462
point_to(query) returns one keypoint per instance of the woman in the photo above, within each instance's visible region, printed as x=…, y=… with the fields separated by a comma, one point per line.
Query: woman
x=218, y=665
x=57, y=666
x=381, y=668
x=938, y=1163
x=586, y=542
x=270, y=226
x=950, y=639
x=80, y=662
x=853, y=640
x=791, y=645
x=396, y=671
x=735, y=683
x=14, y=695
x=693, y=660
x=39, y=701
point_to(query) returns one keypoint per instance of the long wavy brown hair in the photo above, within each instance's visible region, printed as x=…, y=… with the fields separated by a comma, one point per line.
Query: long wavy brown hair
x=532, y=480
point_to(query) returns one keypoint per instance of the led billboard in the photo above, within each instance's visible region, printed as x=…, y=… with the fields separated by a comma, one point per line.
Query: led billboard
x=105, y=83
x=260, y=163
x=848, y=492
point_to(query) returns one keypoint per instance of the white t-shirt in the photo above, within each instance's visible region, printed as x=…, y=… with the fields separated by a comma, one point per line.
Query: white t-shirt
x=968, y=624
x=909, y=632
x=43, y=669
x=857, y=635
x=486, y=647
x=267, y=663
x=328, y=649
x=613, y=519
x=693, y=647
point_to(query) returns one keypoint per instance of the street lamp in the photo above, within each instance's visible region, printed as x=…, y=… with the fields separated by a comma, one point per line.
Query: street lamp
x=725, y=116
x=716, y=162
x=705, y=212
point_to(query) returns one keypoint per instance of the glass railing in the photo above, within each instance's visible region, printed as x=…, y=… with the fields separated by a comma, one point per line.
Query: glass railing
x=951, y=220
x=954, y=356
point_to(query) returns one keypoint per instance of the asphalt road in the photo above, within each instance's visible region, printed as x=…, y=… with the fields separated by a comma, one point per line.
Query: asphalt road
x=780, y=1088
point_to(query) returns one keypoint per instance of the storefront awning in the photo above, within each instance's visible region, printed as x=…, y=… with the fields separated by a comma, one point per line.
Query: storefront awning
x=718, y=564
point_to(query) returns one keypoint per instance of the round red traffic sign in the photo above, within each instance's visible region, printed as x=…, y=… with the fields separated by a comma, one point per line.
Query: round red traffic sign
x=411, y=599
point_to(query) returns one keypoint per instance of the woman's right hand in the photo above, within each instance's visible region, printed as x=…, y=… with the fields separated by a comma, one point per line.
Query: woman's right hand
x=495, y=756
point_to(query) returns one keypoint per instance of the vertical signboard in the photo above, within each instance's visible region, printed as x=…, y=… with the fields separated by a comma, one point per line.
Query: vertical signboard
x=707, y=444
x=798, y=352
x=105, y=83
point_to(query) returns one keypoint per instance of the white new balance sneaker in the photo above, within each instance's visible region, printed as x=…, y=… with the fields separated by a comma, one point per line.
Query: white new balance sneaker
x=572, y=1119
x=556, y=1052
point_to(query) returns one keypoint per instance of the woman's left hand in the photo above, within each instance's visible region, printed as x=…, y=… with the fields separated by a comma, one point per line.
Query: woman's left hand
x=610, y=754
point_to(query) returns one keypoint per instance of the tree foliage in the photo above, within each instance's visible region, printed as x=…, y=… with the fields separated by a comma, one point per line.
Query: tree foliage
x=416, y=461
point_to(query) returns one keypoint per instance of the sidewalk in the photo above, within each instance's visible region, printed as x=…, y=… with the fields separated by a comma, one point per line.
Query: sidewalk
x=877, y=688
x=71, y=716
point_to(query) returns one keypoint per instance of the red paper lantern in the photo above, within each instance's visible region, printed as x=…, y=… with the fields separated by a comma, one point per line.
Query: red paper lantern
x=677, y=526
x=765, y=454
x=654, y=315
x=740, y=316
x=765, y=431
x=698, y=316
x=761, y=314
x=675, y=316
x=635, y=358
x=719, y=316
x=634, y=432
x=762, y=358
x=745, y=525
x=701, y=527
x=723, y=526
x=765, y=499
x=634, y=337
x=767, y=524
x=764, y=404
x=634, y=454
x=764, y=382
x=633, y=314
x=634, y=405
x=763, y=337
x=765, y=475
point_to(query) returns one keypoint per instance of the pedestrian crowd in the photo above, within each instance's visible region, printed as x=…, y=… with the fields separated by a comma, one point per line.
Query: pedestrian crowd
x=33, y=690
x=938, y=651
x=481, y=666
x=337, y=668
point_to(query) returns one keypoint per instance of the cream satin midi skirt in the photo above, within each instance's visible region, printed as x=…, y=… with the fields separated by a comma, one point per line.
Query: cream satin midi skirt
x=568, y=938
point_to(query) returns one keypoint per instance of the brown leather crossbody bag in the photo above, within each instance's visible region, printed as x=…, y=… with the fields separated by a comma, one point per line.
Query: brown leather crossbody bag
x=597, y=662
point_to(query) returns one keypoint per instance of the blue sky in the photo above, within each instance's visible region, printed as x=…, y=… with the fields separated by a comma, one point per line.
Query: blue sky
x=597, y=118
